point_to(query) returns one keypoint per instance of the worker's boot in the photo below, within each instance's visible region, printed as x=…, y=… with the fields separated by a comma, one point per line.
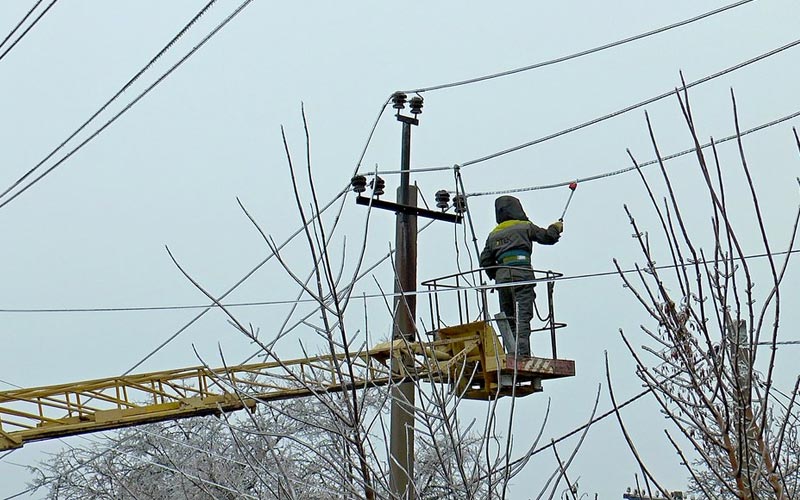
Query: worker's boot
x=524, y=344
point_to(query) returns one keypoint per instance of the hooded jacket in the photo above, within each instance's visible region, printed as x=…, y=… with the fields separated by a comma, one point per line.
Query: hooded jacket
x=511, y=241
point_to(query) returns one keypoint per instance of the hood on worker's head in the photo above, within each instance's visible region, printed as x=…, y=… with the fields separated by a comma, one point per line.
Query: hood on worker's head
x=508, y=208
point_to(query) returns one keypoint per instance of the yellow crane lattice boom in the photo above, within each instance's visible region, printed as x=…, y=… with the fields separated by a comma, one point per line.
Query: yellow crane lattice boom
x=110, y=403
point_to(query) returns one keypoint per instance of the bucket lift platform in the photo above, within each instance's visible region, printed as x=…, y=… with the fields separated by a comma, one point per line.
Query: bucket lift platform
x=487, y=371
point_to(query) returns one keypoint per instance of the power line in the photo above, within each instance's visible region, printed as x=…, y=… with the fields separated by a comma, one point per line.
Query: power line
x=606, y=117
x=115, y=96
x=160, y=79
x=22, y=35
x=581, y=53
x=236, y=285
x=319, y=213
x=242, y=280
x=599, y=274
x=645, y=164
x=22, y=21
x=603, y=175
x=10, y=384
x=632, y=107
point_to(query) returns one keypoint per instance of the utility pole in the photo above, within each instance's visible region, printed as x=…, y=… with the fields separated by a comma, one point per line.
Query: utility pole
x=401, y=432
x=401, y=436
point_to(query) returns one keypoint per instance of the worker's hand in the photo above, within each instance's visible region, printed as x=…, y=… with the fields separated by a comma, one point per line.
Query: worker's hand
x=559, y=225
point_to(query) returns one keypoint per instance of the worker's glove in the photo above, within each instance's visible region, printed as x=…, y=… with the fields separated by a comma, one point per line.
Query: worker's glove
x=558, y=225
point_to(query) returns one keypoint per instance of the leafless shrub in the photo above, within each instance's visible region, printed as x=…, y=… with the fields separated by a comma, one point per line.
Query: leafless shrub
x=710, y=358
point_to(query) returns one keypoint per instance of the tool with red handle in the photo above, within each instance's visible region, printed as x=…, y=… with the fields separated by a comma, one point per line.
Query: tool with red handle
x=572, y=187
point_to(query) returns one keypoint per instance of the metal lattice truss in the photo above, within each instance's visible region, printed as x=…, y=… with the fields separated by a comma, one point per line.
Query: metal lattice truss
x=115, y=402
x=468, y=357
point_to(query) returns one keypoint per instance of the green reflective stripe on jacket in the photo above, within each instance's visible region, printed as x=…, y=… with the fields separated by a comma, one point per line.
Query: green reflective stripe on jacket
x=514, y=258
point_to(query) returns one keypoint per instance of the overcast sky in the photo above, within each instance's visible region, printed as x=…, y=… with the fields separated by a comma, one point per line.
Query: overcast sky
x=92, y=233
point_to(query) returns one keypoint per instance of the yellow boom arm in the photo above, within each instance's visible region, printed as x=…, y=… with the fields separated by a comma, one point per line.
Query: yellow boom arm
x=468, y=357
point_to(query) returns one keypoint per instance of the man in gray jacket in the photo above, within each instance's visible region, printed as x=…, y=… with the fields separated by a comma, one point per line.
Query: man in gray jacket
x=506, y=258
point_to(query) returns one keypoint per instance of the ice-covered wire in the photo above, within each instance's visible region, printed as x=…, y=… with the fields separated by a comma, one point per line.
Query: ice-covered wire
x=28, y=29
x=113, y=98
x=632, y=168
x=579, y=54
x=235, y=286
x=632, y=107
x=139, y=97
x=300, y=230
x=599, y=274
x=605, y=117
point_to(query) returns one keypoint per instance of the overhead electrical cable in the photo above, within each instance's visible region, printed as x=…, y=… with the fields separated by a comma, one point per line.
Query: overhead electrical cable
x=30, y=27
x=160, y=79
x=113, y=98
x=311, y=220
x=603, y=118
x=599, y=274
x=236, y=285
x=632, y=107
x=578, y=54
x=634, y=167
x=20, y=23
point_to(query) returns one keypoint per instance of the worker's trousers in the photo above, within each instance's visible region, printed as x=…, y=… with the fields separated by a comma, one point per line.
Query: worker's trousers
x=516, y=303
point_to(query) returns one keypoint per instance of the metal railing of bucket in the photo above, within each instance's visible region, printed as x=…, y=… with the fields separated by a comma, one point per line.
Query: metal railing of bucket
x=466, y=294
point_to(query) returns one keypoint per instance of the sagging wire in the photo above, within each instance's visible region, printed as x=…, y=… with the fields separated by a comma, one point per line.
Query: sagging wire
x=644, y=164
x=124, y=110
x=20, y=23
x=22, y=35
x=632, y=107
x=466, y=217
x=236, y=285
x=340, y=195
x=578, y=54
x=563, y=132
x=113, y=98
x=599, y=274
x=465, y=207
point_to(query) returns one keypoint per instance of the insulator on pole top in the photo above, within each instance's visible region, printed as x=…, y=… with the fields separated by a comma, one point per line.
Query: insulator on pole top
x=442, y=199
x=460, y=204
x=399, y=100
x=359, y=183
x=377, y=186
x=416, y=105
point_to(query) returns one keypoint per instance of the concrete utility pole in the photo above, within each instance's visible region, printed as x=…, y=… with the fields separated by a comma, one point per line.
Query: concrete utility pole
x=401, y=432
x=401, y=444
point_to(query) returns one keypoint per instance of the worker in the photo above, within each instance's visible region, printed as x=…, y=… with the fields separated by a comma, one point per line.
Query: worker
x=506, y=258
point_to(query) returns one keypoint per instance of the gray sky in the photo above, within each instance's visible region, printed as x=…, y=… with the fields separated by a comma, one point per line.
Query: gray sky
x=168, y=172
